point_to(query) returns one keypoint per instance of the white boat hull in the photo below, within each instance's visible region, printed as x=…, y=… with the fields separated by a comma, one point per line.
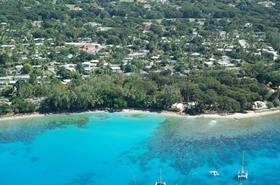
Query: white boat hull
x=160, y=183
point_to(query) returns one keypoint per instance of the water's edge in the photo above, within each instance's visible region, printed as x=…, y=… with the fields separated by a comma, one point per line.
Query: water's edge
x=97, y=148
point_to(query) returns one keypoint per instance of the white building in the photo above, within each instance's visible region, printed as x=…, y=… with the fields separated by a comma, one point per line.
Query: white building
x=18, y=68
x=70, y=67
x=225, y=61
x=13, y=79
x=179, y=106
x=116, y=68
x=258, y=105
x=90, y=66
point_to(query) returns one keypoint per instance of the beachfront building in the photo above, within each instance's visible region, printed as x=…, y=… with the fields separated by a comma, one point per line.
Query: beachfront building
x=259, y=105
x=179, y=106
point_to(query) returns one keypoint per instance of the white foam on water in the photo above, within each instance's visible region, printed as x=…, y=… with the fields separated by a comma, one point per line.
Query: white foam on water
x=212, y=123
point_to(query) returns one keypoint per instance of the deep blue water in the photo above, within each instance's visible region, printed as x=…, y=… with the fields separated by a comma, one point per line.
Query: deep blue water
x=130, y=149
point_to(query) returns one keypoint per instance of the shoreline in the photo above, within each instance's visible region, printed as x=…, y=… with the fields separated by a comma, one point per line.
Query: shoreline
x=249, y=114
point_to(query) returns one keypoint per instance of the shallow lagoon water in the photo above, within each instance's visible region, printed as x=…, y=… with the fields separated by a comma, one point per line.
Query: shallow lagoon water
x=130, y=149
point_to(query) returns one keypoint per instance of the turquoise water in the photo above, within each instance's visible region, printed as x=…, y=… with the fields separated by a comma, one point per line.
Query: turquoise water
x=130, y=149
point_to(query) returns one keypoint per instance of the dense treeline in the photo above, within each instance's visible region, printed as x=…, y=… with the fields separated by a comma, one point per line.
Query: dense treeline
x=109, y=13
x=208, y=91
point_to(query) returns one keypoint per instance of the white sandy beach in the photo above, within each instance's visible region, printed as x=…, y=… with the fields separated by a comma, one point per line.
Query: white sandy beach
x=21, y=116
x=249, y=114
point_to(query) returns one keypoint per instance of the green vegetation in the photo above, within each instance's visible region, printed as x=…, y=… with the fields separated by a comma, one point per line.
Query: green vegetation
x=67, y=55
x=210, y=91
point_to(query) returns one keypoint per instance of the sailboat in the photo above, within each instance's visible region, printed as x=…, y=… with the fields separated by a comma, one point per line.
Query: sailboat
x=160, y=182
x=214, y=173
x=242, y=174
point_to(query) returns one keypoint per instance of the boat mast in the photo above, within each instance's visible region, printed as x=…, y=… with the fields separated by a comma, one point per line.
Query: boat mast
x=160, y=175
x=242, y=169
